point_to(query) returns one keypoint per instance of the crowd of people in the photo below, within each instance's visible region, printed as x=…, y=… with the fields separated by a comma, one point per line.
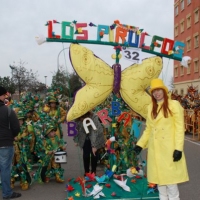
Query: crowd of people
x=30, y=134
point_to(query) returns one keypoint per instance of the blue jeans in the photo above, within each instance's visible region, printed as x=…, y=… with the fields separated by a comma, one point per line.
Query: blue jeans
x=6, y=156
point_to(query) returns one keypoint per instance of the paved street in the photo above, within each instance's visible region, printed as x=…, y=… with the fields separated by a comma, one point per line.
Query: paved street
x=74, y=168
x=190, y=190
x=53, y=190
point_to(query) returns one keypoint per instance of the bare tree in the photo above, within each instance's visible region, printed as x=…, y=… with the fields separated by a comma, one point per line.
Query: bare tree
x=24, y=79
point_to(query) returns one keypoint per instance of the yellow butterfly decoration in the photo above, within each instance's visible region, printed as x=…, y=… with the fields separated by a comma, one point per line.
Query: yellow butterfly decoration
x=99, y=76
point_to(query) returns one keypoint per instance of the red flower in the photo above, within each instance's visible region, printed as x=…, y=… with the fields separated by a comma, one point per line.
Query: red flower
x=107, y=185
x=69, y=188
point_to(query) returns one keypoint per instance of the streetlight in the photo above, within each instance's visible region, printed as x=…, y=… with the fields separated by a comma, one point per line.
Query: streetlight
x=45, y=80
x=45, y=83
x=66, y=67
x=58, y=57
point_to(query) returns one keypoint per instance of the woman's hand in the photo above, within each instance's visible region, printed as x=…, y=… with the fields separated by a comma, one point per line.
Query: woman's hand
x=177, y=155
x=137, y=149
x=94, y=150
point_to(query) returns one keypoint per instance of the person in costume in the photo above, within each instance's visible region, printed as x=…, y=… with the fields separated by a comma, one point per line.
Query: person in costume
x=164, y=138
x=57, y=113
x=31, y=117
x=31, y=114
x=22, y=155
x=91, y=142
x=52, y=144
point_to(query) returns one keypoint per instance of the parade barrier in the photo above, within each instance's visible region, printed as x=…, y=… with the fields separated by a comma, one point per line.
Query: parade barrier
x=192, y=123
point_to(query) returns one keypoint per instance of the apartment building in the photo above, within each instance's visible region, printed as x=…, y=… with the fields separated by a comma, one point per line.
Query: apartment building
x=187, y=30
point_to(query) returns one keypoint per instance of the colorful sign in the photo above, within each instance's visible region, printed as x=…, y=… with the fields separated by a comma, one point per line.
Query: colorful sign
x=117, y=34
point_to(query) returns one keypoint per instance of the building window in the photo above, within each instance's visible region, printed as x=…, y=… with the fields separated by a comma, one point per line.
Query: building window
x=182, y=47
x=188, y=44
x=196, y=65
x=188, y=21
x=182, y=4
x=196, y=15
x=188, y=68
x=188, y=2
x=176, y=71
x=196, y=41
x=176, y=10
x=176, y=30
x=182, y=92
x=182, y=71
x=182, y=26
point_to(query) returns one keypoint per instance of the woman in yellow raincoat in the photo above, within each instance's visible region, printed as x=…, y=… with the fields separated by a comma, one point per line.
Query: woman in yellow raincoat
x=164, y=138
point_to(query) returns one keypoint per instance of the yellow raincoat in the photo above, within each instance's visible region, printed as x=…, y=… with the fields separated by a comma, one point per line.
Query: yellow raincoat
x=162, y=136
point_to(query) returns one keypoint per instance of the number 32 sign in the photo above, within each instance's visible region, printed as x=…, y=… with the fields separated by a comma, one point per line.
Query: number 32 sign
x=132, y=54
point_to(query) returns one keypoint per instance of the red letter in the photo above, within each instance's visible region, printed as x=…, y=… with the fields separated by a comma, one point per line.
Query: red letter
x=120, y=33
x=126, y=116
x=84, y=32
x=165, y=42
x=103, y=115
x=50, y=31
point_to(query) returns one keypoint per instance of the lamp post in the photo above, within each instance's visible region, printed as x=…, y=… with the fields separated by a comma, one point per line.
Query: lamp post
x=45, y=84
x=59, y=55
x=66, y=67
x=45, y=80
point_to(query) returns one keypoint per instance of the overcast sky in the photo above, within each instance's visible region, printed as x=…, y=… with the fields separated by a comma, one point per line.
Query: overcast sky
x=22, y=20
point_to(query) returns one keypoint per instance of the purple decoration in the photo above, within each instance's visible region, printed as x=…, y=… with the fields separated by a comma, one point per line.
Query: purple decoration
x=72, y=129
x=91, y=24
x=112, y=26
x=117, y=77
x=137, y=168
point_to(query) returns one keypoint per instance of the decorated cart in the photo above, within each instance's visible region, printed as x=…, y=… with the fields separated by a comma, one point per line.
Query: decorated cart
x=119, y=98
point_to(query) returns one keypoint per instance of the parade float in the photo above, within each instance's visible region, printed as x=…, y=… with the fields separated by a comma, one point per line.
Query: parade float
x=119, y=98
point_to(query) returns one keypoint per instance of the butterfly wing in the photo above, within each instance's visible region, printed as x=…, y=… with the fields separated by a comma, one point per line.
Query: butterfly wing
x=135, y=80
x=98, y=77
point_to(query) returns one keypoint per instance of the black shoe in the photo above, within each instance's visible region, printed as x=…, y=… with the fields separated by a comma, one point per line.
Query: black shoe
x=13, y=196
